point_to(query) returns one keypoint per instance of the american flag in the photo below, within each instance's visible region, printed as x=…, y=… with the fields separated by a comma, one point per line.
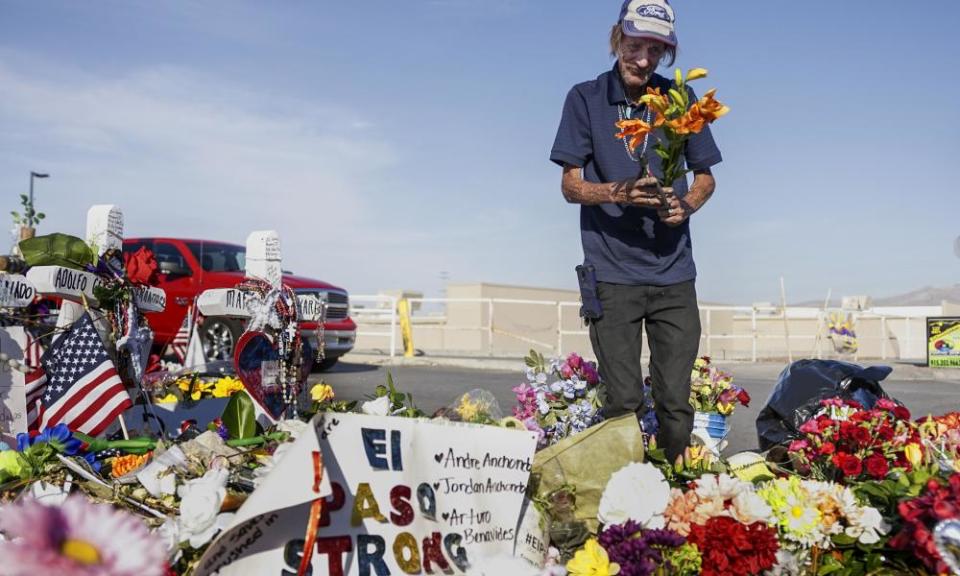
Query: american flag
x=36, y=381
x=179, y=343
x=83, y=389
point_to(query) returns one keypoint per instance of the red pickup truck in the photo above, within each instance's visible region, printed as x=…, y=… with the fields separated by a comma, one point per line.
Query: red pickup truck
x=188, y=267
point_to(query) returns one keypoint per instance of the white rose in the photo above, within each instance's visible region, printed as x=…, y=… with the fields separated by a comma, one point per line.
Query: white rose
x=378, y=407
x=200, y=502
x=637, y=492
x=169, y=533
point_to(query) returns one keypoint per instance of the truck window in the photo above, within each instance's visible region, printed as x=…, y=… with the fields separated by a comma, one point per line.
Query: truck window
x=165, y=252
x=216, y=257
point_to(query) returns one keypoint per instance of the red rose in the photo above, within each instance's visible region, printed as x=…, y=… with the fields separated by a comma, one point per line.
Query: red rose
x=141, y=266
x=901, y=412
x=877, y=466
x=862, y=436
x=849, y=464
x=847, y=430
x=827, y=449
x=743, y=397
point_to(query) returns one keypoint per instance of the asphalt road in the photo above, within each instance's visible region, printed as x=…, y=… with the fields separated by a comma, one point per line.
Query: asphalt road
x=434, y=387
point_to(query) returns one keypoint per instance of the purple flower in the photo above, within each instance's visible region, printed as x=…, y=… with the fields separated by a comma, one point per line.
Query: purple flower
x=590, y=373
x=638, y=552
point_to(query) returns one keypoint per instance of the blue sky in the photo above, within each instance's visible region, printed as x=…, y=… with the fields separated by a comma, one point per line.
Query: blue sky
x=393, y=143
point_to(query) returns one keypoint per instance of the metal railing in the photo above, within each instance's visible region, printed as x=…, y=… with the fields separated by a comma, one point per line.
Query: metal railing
x=738, y=332
x=383, y=312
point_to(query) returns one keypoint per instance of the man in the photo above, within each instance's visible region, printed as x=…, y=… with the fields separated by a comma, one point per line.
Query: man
x=636, y=237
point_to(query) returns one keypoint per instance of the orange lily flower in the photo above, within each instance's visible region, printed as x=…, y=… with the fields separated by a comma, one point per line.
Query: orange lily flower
x=635, y=130
x=710, y=108
x=656, y=101
x=690, y=123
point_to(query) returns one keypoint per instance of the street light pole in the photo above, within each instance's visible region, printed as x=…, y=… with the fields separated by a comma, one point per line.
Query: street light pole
x=32, y=176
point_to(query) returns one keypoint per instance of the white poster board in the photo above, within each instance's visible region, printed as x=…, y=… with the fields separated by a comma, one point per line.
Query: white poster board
x=13, y=392
x=405, y=497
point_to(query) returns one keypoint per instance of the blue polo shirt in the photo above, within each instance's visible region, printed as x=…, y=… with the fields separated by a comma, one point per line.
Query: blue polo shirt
x=626, y=244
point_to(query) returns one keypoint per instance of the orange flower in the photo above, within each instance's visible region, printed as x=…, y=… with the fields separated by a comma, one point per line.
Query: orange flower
x=690, y=123
x=710, y=108
x=656, y=101
x=635, y=130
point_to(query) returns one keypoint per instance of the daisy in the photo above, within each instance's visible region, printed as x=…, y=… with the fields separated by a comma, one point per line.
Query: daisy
x=77, y=539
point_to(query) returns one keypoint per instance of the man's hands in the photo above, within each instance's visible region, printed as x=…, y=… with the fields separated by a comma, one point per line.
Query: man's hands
x=647, y=193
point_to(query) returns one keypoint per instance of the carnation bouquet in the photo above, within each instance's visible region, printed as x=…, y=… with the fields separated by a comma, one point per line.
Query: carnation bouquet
x=847, y=443
x=560, y=397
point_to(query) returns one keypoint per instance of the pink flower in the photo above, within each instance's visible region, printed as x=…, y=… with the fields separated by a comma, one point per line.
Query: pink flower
x=78, y=539
x=810, y=427
x=567, y=371
x=799, y=445
x=574, y=361
x=886, y=404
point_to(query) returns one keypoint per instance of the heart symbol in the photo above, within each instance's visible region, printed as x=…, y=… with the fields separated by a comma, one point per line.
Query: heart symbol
x=254, y=352
x=438, y=457
x=947, y=538
x=445, y=516
x=436, y=485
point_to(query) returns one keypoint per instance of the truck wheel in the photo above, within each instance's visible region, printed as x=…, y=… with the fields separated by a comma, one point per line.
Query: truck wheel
x=327, y=364
x=219, y=337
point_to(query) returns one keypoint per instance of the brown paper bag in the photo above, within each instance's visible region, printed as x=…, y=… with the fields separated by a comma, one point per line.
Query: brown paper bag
x=587, y=460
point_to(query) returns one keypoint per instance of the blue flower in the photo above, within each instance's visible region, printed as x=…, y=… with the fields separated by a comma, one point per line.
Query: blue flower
x=23, y=442
x=91, y=459
x=59, y=437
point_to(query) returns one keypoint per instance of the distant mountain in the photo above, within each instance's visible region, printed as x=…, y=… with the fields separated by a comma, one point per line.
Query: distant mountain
x=927, y=296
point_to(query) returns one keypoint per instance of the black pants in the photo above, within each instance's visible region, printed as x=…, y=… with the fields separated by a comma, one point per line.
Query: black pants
x=673, y=332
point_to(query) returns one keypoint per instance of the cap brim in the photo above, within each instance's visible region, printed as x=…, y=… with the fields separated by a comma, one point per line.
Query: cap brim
x=630, y=29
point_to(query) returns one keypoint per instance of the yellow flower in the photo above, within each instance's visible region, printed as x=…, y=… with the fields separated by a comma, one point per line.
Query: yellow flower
x=168, y=399
x=592, y=560
x=183, y=384
x=226, y=387
x=11, y=463
x=913, y=454
x=656, y=101
x=321, y=392
x=468, y=409
x=696, y=74
x=724, y=408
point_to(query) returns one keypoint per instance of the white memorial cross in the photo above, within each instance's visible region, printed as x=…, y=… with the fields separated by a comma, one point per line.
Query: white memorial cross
x=15, y=292
x=104, y=232
x=263, y=262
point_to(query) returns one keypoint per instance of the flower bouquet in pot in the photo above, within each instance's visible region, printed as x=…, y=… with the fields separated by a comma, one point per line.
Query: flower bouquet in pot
x=714, y=397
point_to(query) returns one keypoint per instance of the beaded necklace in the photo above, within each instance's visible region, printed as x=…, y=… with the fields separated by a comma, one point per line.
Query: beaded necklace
x=625, y=112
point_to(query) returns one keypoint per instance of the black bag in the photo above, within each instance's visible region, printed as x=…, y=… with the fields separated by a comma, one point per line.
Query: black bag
x=803, y=384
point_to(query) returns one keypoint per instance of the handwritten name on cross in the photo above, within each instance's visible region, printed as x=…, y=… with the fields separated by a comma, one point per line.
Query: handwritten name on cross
x=104, y=232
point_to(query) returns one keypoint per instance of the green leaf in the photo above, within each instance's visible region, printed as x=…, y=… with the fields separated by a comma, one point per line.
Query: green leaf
x=41, y=216
x=240, y=417
x=24, y=199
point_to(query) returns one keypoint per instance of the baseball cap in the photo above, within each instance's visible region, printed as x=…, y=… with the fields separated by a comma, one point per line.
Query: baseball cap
x=649, y=19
